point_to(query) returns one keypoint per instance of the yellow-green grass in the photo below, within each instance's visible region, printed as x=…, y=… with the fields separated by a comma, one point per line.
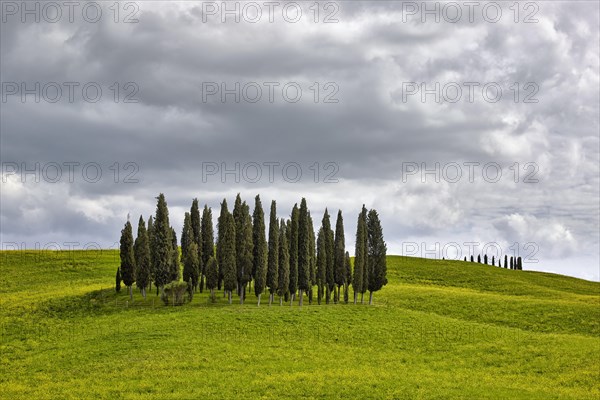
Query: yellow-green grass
x=439, y=329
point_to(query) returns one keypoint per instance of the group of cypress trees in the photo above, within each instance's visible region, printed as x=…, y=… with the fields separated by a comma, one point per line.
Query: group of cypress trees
x=289, y=262
x=514, y=263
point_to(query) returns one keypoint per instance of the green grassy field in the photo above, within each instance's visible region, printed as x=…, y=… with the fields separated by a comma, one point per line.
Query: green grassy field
x=438, y=330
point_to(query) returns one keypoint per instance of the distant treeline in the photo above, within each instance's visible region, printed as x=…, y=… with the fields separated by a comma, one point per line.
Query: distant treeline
x=514, y=263
x=290, y=262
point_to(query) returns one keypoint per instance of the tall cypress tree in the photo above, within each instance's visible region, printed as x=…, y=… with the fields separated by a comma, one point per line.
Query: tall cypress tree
x=505, y=261
x=187, y=235
x=127, y=257
x=150, y=232
x=283, y=274
x=207, y=239
x=339, y=256
x=161, y=247
x=312, y=248
x=243, y=245
x=493, y=261
x=141, y=249
x=360, y=254
x=321, y=265
x=175, y=266
x=273, y=256
x=479, y=258
x=229, y=268
x=303, y=250
x=348, y=277
x=376, y=254
x=221, y=253
x=196, y=223
x=366, y=270
x=118, y=280
x=471, y=258
x=512, y=265
x=485, y=259
x=294, y=252
x=260, y=248
x=519, y=264
x=329, y=255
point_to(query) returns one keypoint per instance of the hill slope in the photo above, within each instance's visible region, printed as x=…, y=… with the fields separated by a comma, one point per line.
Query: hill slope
x=439, y=329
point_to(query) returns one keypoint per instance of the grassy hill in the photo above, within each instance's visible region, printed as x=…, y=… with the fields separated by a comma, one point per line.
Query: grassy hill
x=439, y=329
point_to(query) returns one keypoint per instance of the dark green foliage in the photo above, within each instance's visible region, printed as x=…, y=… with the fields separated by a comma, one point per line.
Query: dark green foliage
x=479, y=258
x=360, y=256
x=303, y=250
x=349, y=277
x=493, y=261
x=191, y=265
x=141, y=249
x=294, y=251
x=207, y=239
x=465, y=258
x=243, y=245
x=196, y=229
x=321, y=265
x=259, y=239
x=365, y=282
x=187, y=235
x=471, y=258
x=519, y=264
x=505, y=261
x=175, y=266
x=512, y=265
x=174, y=293
x=273, y=255
x=329, y=255
x=312, y=248
x=376, y=254
x=212, y=276
x=150, y=232
x=127, y=256
x=485, y=259
x=283, y=274
x=161, y=245
x=339, y=255
x=226, y=253
x=118, y=280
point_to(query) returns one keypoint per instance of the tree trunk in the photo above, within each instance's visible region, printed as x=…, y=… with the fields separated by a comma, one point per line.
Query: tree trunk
x=270, y=299
x=361, y=298
x=259, y=299
x=212, y=294
x=131, y=293
x=280, y=300
x=144, y=293
x=301, y=294
x=370, y=298
x=241, y=294
x=229, y=295
x=355, y=297
x=327, y=295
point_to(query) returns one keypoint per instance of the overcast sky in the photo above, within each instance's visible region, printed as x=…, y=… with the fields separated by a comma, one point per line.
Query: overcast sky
x=506, y=97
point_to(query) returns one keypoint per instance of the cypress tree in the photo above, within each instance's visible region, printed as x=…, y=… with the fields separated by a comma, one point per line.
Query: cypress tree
x=161, y=246
x=294, y=225
x=197, y=231
x=313, y=258
x=191, y=266
x=283, y=274
x=519, y=264
x=141, y=249
x=303, y=251
x=187, y=235
x=348, y=278
x=150, y=232
x=493, y=261
x=479, y=258
x=207, y=239
x=127, y=257
x=329, y=255
x=377, y=250
x=365, y=282
x=273, y=256
x=471, y=258
x=118, y=280
x=505, y=261
x=221, y=229
x=465, y=258
x=212, y=276
x=175, y=266
x=512, y=263
x=360, y=253
x=485, y=259
x=226, y=252
x=243, y=245
x=321, y=265
x=339, y=255
x=260, y=248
